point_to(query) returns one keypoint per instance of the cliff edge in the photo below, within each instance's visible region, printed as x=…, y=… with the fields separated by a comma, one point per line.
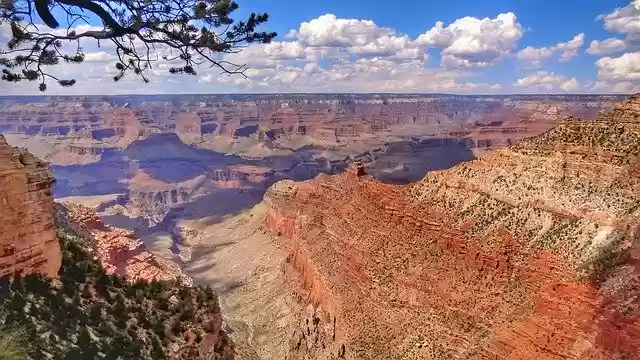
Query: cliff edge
x=28, y=241
x=117, y=250
x=529, y=252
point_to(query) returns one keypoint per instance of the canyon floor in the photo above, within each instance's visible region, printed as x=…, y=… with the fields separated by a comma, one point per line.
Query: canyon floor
x=245, y=265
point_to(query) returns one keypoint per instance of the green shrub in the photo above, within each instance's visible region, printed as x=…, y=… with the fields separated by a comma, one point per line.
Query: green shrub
x=90, y=312
x=12, y=344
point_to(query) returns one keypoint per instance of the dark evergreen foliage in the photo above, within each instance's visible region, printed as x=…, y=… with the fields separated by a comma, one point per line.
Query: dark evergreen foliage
x=92, y=315
x=195, y=32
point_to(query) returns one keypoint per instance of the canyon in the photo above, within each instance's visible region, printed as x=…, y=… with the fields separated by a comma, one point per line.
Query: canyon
x=29, y=219
x=61, y=266
x=363, y=226
x=528, y=252
x=143, y=161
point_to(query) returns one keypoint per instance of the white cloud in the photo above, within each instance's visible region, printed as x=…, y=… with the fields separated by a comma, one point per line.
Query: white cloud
x=623, y=68
x=532, y=54
x=570, y=49
x=328, y=30
x=99, y=56
x=329, y=54
x=571, y=84
x=567, y=50
x=622, y=20
x=548, y=81
x=470, y=41
x=284, y=50
x=624, y=87
x=605, y=47
x=330, y=35
x=362, y=75
x=452, y=62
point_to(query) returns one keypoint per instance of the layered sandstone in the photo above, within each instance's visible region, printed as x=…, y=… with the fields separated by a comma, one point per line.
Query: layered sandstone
x=118, y=250
x=28, y=242
x=530, y=252
x=194, y=147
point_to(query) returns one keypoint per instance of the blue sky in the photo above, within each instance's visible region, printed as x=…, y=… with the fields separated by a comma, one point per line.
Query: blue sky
x=456, y=46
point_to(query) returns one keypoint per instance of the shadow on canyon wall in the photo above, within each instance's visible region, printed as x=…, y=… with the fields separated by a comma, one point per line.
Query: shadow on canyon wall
x=167, y=159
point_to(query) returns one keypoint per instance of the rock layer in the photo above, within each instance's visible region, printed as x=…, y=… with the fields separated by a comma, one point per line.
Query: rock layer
x=28, y=242
x=530, y=252
x=118, y=250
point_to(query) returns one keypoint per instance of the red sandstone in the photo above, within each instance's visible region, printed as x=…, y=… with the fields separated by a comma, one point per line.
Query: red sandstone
x=118, y=250
x=417, y=272
x=28, y=241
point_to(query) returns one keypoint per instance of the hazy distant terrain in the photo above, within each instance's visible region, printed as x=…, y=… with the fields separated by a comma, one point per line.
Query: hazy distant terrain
x=146, y=161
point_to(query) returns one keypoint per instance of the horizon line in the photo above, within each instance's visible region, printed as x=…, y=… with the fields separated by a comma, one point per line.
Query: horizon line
x=323, y=93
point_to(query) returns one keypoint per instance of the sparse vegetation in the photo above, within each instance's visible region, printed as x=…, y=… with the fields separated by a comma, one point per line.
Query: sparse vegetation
x=89, y=314
x=609, y=136
x=12, y=344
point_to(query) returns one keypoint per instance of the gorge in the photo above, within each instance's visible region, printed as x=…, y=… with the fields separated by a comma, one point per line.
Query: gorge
x=506, y=229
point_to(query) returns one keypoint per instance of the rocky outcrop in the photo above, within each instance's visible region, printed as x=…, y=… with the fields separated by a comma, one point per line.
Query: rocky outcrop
x=28, y=242
x=530, y=252
x=118, y=250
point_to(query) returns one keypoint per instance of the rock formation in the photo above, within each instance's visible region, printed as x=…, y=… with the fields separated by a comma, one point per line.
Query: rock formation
x=529, y=252
x=192, y=147
x=28, y=242
x=118, y=250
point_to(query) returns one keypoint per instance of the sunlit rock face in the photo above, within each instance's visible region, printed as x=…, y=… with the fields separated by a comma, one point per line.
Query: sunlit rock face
x=528, y=252
x=119, y=251
x=157, y=154
x=28, y=242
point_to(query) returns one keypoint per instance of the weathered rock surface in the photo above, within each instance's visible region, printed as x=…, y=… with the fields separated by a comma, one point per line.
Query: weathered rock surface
x=28, y=241
x=192, y=148
x=118, y=250
x=529, y=252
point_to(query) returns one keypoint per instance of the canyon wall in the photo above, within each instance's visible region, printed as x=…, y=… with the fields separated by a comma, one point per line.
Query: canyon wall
x=28, y=242
x=166, y=157
x=529, y=252
x=118, y=250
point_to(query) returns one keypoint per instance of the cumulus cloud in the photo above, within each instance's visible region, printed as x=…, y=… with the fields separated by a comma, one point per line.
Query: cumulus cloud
x=606, y=47
x=328, y=54
x=619, y=74
x=547, y=81
x=571, y=84
x=622, y=20
x=99, y=56
x=567, y=51
x=362, y=75
x=470, y=42
x=284, y=50
x=328, y=30
x=354, y=36
x=624, y=87
x=531, y=54
x=622, y=68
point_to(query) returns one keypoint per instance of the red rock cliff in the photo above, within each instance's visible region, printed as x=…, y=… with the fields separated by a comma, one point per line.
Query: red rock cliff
x=28, y=241
x=118, y=250
x=526, y=253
